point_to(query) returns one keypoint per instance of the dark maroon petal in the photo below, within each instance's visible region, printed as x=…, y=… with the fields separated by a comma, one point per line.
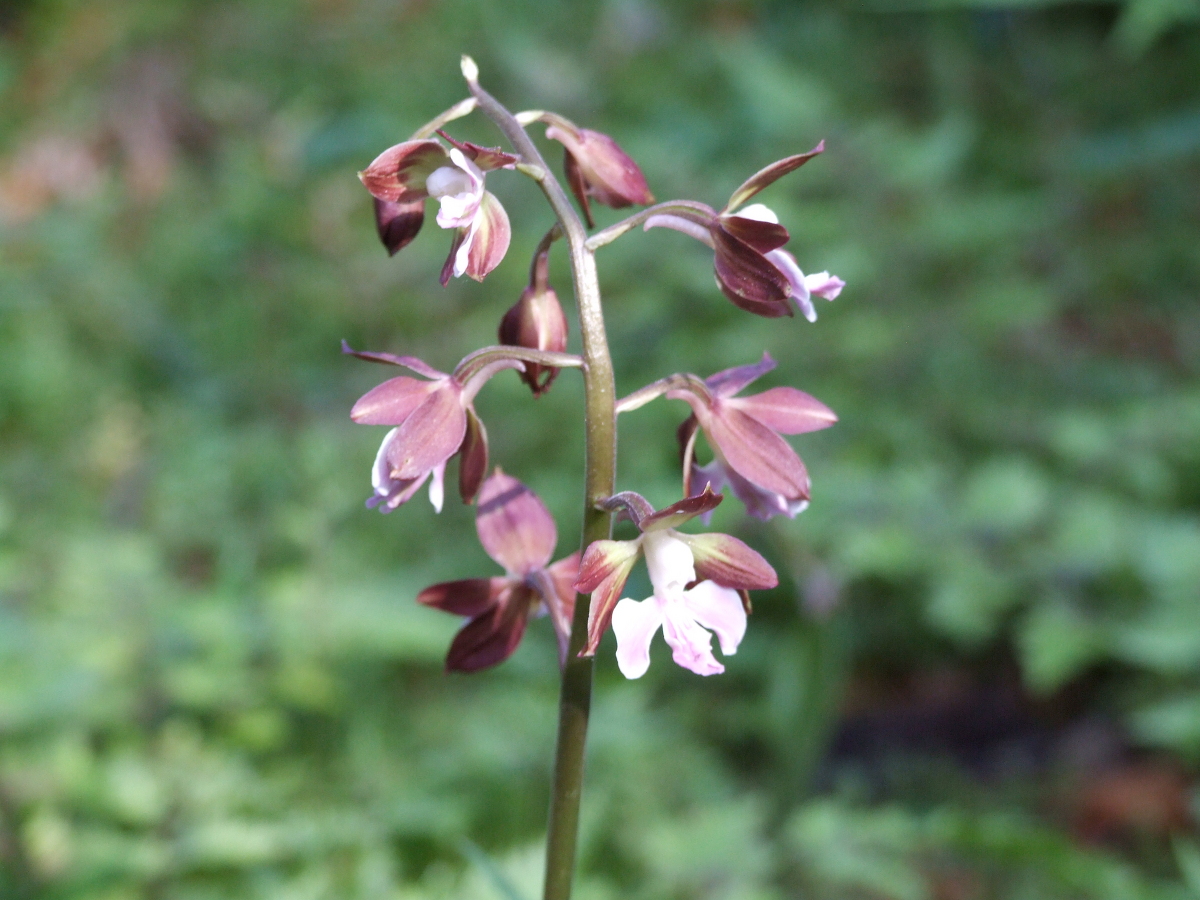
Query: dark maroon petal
x=472, y=458
x=728, y=382
x=681, y=511
x=729, y=562
x=398, y=173
x=470, y=597
x=398, y=223
x=487, y=158
x=578, y=185
x=514, y=526
x=430, y=435
x=756, y=452
x=492, y=637
x=603, y=560
x=786, y=410
x=761, y=236
x=390, y=359
x=492, y=235
x=748, y=278
x=393, y=401
x=764, y=177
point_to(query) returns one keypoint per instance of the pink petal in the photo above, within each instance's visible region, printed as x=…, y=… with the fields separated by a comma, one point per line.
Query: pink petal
x=603, y=571
x=604, y=559
x=430, y=435
x=634, y=624
x=514, y=526
x=824, y=285
x=719, y=610
x=728, y=382
x=755, y=452
x=786, y=410
x=393, y=401
x=728, y=562
x=492, y=235
x=691, y=645
x=398, y=173
x=764, y=177
x=563, y=573
x=470, y=597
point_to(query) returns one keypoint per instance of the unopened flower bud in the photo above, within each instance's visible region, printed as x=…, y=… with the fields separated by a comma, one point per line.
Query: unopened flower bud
x=596, y=167
x=536, y=322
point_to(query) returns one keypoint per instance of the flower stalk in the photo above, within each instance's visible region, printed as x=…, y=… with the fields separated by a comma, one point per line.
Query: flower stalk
x=599, y=483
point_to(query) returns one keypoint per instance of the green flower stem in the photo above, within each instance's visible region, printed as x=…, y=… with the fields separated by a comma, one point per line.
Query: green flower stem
x=688, y=208
x=600, y=461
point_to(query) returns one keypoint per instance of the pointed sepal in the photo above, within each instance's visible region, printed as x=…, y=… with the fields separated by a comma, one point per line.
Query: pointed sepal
x=603, y=571
x=729, y=562
x=769, y=175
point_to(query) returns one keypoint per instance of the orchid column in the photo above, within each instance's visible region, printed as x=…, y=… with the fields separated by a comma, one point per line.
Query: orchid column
x=700, y=581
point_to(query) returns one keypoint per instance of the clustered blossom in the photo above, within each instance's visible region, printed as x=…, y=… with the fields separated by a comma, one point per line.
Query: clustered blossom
x=518, y=532
x=699, y=581
x=696, y=579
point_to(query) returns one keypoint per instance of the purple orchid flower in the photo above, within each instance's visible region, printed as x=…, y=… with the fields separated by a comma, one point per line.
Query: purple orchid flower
x=518, y=532
x=749, y=455
x=404, y=176
x=751, y=268
x=433, y=421
x=699, y=583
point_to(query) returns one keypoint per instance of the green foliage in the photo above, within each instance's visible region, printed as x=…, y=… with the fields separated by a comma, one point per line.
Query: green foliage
x=214, y=681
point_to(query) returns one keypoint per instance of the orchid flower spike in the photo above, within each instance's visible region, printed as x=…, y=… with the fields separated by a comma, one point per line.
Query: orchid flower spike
x=434, y=420
x=518, y=532
x=751, y=268
x=404, y=176
x=699, y=584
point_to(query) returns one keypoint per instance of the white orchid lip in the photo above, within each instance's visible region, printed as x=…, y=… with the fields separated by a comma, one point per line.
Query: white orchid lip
x=458, y=189
x=669, y=561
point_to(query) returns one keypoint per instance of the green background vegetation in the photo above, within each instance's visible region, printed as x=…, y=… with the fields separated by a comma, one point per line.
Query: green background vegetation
x=979, y=678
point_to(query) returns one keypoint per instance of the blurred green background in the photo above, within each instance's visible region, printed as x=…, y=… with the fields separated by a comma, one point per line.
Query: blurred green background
x=981, y=675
